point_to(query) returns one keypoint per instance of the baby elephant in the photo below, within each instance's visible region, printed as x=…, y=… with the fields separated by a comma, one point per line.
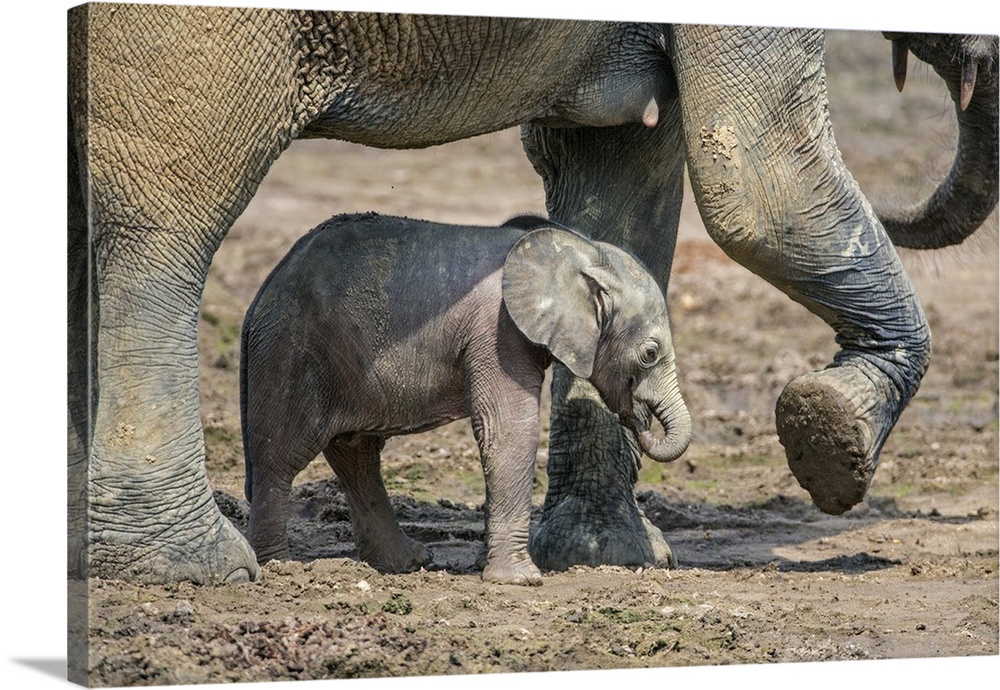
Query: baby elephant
x=376, y=326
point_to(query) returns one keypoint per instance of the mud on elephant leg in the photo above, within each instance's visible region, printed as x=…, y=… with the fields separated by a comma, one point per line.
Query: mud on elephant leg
x=590, y=516
x=775, y=195
x=833, y=424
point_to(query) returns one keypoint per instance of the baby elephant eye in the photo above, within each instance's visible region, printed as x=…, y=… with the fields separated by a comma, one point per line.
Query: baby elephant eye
x=649, y=353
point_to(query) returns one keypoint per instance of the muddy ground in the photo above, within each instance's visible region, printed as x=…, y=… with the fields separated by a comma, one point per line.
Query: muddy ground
x=764, y=577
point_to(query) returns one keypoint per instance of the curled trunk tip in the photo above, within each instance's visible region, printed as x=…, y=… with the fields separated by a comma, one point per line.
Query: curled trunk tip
x=664, y=449
x=676, y=422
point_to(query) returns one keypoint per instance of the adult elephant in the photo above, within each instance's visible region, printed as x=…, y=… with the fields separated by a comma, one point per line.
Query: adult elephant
x=176, y=113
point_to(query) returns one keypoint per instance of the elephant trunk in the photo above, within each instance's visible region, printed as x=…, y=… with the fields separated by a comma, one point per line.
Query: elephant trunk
x=968, y=194
x=673, y=415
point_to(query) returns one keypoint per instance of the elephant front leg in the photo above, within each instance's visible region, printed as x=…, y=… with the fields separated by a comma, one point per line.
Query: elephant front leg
x=621, y=185
x=775, y=195
x=508, y=465
x=590, y=516
x=152, y=517
x=504, y=391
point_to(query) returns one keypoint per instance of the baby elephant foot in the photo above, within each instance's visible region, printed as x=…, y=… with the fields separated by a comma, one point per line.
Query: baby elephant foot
x=832, y=424
x=508, y=566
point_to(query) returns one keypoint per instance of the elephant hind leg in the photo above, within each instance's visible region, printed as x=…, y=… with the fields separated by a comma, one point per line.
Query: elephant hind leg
x=284, y=431
x=603, y=526
x=380, y=540
x=621, y=185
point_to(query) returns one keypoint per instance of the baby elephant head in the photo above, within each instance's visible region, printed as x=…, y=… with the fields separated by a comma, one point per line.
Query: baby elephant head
x=603, y=316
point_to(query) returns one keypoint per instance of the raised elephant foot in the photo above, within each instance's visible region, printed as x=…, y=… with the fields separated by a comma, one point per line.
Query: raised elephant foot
x=213, y=552
x=832, y=424
x=572, y=534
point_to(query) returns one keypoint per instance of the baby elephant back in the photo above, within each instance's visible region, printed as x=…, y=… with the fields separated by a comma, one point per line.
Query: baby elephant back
x=406, y=270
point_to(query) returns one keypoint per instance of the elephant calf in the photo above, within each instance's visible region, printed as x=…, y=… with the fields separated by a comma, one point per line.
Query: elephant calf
x=376, y=326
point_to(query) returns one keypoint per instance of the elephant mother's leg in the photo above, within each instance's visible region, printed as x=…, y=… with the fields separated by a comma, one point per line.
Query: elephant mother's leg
x=80, y=405
x=775, y=195
x=151, y=512
x=167, y=168
x=620, y=185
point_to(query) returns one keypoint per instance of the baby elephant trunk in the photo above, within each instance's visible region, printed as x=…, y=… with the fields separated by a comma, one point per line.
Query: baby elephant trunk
x=673, y=415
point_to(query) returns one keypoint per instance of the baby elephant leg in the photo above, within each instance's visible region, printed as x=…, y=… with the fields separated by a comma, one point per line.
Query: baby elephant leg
x=507, y=434
x=509, y=475
x=380, y=540
x=269, y=517
x=275, y=464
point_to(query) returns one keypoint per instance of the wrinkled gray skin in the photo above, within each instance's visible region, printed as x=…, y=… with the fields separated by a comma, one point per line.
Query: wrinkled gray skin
x=372, y=327
x=188, y=107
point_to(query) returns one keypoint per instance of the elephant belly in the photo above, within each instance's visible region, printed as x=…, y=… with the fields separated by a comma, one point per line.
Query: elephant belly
x=405, y=393
x=411, y=407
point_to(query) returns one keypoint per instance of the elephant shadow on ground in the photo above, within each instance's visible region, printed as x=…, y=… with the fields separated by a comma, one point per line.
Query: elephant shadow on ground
x=319, y=525
x=785, y=534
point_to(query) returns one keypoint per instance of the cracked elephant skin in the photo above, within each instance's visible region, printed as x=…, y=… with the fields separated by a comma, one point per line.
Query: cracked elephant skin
x=176, y=113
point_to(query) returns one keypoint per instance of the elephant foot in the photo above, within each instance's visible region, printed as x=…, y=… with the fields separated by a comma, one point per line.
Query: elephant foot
x=833, y=424
x=512, y=571
x=663, y=555
x=590, y=516
x=267, y=555
x=399, y=555
x=212, y=552
x=571, y=534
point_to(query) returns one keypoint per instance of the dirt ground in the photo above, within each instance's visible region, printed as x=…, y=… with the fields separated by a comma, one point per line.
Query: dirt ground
x=763, y=577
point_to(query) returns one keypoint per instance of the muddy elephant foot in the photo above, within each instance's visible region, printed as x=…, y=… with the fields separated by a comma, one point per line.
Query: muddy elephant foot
x=833, y=424
x=590, y=515
x=210, y=552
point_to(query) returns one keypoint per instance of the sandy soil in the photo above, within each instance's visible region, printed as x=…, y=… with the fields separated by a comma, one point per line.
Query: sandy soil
x=764, y=577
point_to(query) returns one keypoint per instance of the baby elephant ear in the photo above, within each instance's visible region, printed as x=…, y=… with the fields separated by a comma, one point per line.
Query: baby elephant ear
x=552, y=299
